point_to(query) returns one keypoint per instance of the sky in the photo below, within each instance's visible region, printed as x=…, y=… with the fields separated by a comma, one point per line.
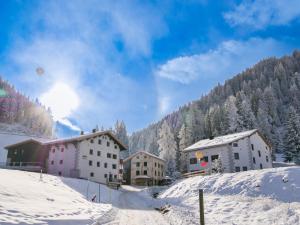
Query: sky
x=95, y=62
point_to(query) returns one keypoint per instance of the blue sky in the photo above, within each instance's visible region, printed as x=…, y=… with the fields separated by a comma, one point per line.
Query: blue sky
x=135, y=60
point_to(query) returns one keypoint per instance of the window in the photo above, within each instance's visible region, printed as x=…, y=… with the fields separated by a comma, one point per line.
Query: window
x=62, y=149
x=145, y=157
x=98, y=164
x=98, y=153
x=266, y=148
x=267, y=158
x=91, y=174
x=245, y=168
x=158, y=165
x=92, y=140
x=105, y=175
x=116, y=147
x=114, y=166
x=137, y=164
x=61, y=161
x=261, y=166
x=155, y=164
x=252, y=146
x=91, y=151
x=114, y=156
x=108, y=155
x=205, y=158
x=99, y=141
x=53, y=150
x=115, y=176
x=52, y=162
x=145, y=172
x=162, y=167
x=237, y=169
x=259, y=154
x=192, y=161
x=59, y=173
x=236, y=156
x=145, y=163
x=214, y=157
x=235, y=144
x=105, y=165
x=107, y=144
x=155, y=172
x=137, y=172
x=254, y=161
x=159, y=173
x=90, y=162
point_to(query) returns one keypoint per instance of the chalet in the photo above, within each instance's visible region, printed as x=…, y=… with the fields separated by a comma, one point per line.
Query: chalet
x=94, y=156
x=243, y=151
x=143, y=168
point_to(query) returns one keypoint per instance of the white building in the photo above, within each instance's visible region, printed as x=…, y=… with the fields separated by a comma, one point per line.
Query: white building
x=94, y=156
x=242, y=151
x=144, y=168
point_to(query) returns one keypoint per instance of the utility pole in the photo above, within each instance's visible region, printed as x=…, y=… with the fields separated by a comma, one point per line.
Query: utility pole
x=201, y=207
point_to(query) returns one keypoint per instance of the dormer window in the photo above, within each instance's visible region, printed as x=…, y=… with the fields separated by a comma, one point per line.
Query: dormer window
x=92, y=141
x=235, y=144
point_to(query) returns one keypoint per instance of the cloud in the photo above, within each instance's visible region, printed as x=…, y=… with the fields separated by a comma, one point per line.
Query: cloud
x=68, y=123
x=259, y=14
x=164, y=104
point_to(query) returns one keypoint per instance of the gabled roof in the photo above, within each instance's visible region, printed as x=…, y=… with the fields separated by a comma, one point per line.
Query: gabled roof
x=221, y=140
x=71, y=139
x=39, y=141
x=143, y=152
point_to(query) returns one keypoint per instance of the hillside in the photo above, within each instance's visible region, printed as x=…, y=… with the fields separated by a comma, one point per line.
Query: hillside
x=266, y=96
x=260, y=197
x=25, y=199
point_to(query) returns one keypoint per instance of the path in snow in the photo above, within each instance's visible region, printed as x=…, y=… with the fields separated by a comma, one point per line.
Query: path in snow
x=133, y=207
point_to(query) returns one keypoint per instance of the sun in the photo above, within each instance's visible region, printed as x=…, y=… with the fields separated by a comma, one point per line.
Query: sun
x=61, y=99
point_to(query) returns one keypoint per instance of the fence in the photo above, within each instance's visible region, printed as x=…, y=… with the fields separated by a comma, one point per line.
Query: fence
x=26, y=166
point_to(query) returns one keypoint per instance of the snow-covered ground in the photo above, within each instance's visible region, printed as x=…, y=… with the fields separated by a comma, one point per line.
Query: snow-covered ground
x=25, y=199
x=261, y=197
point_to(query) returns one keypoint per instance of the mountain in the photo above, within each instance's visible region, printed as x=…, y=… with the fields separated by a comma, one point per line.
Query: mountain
x=262, y=97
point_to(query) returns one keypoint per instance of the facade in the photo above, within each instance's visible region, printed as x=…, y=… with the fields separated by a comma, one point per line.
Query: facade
x=143, y=168
x=237, y=152
x=94, y=156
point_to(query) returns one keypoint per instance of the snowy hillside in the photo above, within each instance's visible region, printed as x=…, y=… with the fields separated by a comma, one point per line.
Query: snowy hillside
x=270, y=196
x=25, y=199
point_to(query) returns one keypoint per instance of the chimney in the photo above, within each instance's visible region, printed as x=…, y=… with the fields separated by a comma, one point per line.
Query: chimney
x=82, y=132
x=94, y=130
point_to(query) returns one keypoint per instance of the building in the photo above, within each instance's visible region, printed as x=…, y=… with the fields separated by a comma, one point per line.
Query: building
x=237, y=152
x=94, y=156
x=143, y=168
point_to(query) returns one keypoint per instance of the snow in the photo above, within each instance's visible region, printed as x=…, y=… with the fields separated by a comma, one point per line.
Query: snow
x=270, y=196
x=221, y=140
x=26, y=199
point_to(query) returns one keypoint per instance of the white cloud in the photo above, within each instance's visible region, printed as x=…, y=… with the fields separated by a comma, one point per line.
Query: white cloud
x=259, y=14
x=229, y=57
x=164, y=104
x=68, y=123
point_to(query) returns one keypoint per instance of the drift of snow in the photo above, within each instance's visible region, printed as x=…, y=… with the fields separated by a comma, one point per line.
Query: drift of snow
x=25, y=199
x=260, y=197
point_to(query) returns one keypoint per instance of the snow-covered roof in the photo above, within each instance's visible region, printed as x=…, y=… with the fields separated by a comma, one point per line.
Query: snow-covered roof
x=143, y=152
x=219, y=141
x=71, y=139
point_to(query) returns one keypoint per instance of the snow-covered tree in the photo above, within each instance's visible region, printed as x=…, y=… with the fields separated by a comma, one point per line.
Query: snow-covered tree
x=185, y=139
x=167, y=147
x=217, y=166
x=121, y=133
x=231, y=114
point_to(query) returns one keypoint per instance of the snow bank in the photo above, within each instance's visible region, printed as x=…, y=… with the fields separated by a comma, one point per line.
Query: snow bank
x=270, y=196
x=24, y=198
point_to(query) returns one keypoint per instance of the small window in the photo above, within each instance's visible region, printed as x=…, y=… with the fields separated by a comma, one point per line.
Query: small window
x=266, y=148
x=158, y=165
x=92, y=140
x=91, y=151
x=59, y=173
x=91, y=174
x=62, y=149
x=235, y=144
x=155, y=164
x=105, y=165
x=236, y=156
x=116, y=147
x=137, y=164
x=254, y=161
x=98, y=164
x=145, y=172
x=115, y=176
x=259, y=154
x=52, y=162
x=159, y=173
x=205, y=158
x=98, y=153
x=105, y=175
x=53, y=150
x=145, y=157
x=114, y=166
x=108, y=144
x=90, y=162
x=267, y=158
x=155, y=172
x=192, y=161
x=261, y=166
x=114, y=156
x=245, y=168
x=137, y=172
x=145, y=163
x=237, y=169
x=99, y=141
x=252, y=146
x=214, y=157
x=61, y=161
x=108, y=155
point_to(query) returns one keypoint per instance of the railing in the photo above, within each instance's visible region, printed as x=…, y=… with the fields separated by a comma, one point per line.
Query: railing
x=27, y=166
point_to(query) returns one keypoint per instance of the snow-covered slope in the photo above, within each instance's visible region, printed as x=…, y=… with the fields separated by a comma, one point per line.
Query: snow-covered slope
x=25, y=199
x=270, y=196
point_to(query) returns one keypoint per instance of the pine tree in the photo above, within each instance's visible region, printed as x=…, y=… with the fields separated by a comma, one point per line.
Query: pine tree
x=121, y=134
x=185, y=139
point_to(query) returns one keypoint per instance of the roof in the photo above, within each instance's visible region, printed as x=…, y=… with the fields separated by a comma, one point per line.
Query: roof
x=219, y=141
x=143, y=152
x=142, y=177
x=71, y=139
x=30, y=140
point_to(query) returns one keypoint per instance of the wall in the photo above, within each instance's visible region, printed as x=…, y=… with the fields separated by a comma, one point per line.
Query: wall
x=260, y=145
